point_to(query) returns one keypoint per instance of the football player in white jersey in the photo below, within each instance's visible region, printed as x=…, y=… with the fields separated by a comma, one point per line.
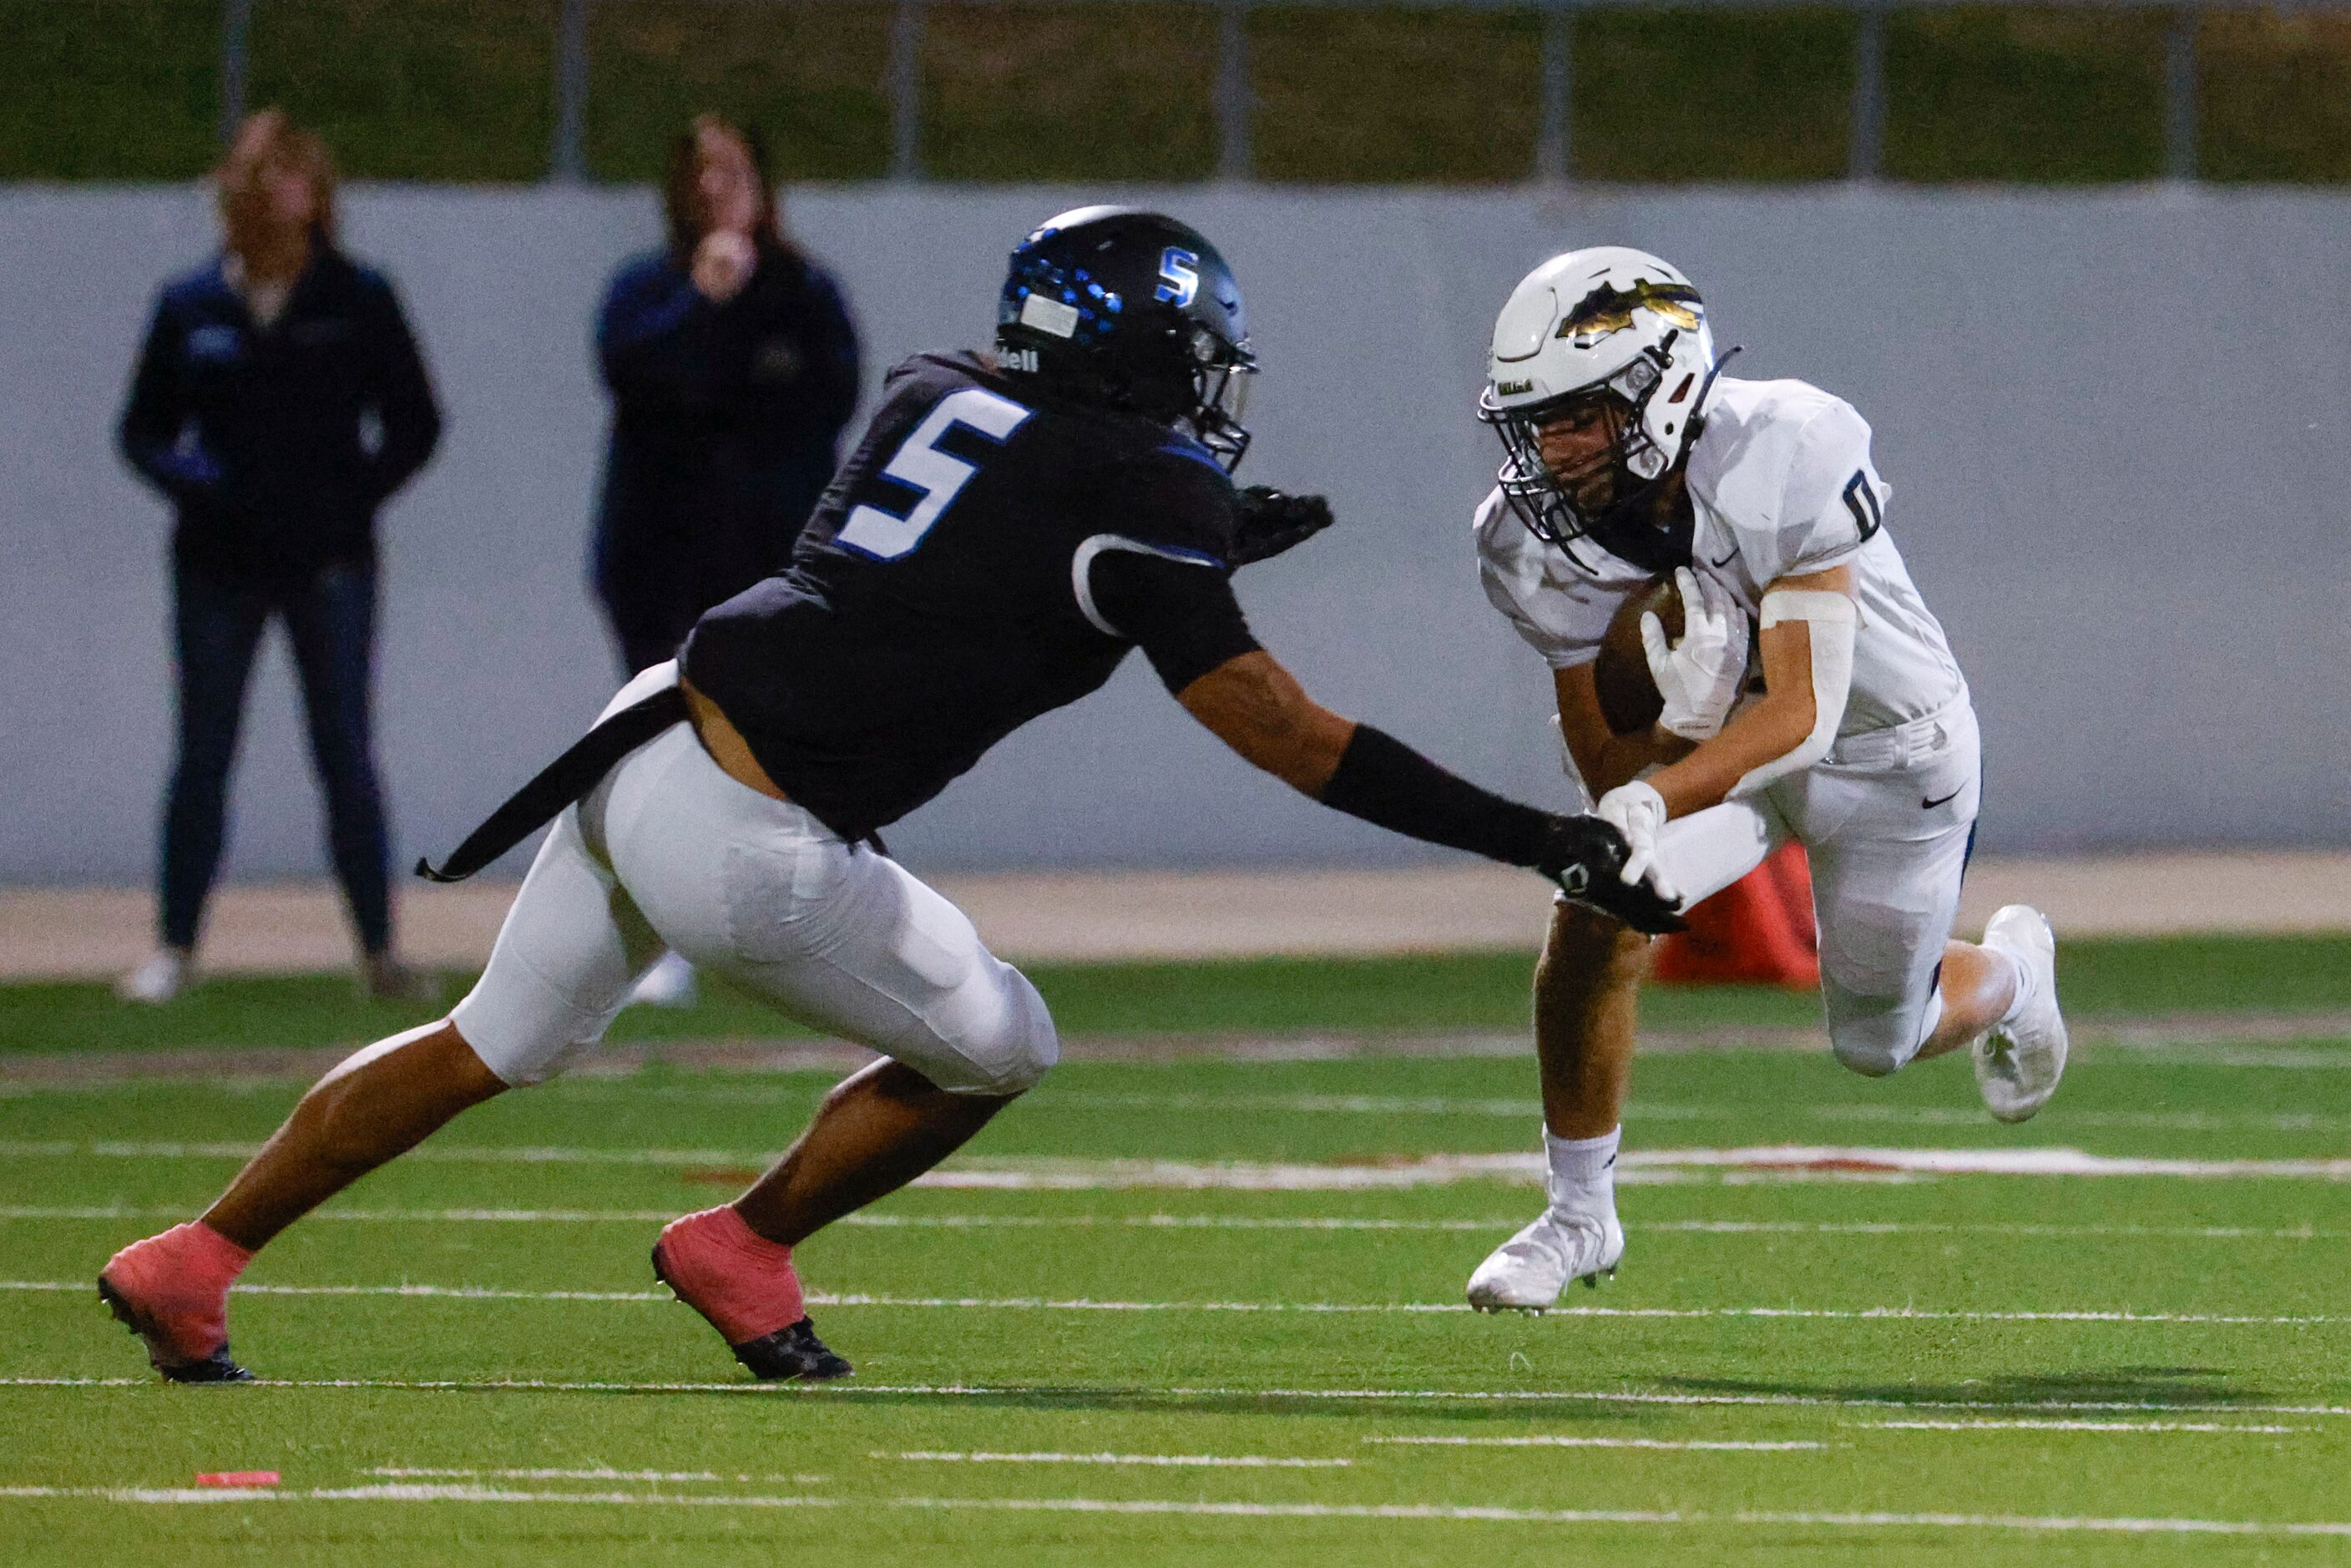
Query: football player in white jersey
x=1628, y=455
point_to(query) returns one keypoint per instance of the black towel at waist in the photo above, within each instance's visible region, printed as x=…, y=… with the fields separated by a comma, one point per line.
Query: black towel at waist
x=559, y=783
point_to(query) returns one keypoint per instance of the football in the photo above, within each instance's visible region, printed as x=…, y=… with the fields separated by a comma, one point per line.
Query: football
x=1628, y=696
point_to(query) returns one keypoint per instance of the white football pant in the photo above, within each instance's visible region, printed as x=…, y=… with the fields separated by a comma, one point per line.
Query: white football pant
x=1886, y=819
x=669, y=852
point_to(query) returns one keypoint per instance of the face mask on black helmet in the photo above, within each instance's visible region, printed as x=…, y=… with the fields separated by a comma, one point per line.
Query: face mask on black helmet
x=1133, y=310
x=1607, y=341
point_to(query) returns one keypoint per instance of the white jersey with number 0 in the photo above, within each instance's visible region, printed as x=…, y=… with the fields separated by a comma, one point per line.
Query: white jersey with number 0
x=1781, y=486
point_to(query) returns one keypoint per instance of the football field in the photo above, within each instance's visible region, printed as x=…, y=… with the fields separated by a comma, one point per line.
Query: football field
x=1194, y=1300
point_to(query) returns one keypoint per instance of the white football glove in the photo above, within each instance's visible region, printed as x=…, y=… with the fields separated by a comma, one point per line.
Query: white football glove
x=1637, y=811
x=1698, y=676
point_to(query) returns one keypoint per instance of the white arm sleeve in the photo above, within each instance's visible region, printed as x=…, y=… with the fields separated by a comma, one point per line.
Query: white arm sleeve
x=1830, y=619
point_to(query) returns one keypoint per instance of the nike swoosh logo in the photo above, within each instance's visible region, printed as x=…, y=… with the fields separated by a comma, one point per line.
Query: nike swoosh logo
x=1930, y=805
x=1727, y=557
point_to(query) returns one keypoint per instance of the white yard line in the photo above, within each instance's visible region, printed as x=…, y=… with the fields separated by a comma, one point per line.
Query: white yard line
x=2046, y=1161
x=1433, y=1512
x=386, y=1216
x=1970, y=1116
x=2209, y=1427
x=1087, y=1174
x=1562, y=1442
x=1514, y=1396
x=1230, y=1222
x=595, y=1473
x=1180, y=1461
x=1639, y=1111
x=1092, y=1304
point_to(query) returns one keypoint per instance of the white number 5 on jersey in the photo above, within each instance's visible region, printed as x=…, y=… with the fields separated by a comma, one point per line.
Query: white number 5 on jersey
x=921, y=467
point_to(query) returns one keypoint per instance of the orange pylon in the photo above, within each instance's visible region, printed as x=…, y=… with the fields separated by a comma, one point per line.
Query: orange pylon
x=1758, y=931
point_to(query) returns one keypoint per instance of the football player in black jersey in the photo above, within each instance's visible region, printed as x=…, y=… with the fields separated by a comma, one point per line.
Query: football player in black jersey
x=1009, y=526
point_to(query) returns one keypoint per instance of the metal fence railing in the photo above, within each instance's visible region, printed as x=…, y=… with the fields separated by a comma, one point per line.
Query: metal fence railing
x=1554, y=153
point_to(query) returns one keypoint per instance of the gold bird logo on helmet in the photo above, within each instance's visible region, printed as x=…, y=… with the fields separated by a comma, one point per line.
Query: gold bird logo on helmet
x=1608, y=310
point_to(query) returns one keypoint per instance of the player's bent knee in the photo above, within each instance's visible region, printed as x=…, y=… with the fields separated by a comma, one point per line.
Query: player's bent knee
x=1875, y=1047
x=1878, y=1035
x=1026, y=1054
x=1019, y=1069
x=1016, y=1047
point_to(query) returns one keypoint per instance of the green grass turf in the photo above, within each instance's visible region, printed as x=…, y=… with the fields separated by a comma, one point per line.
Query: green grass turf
x=462, y=89
x=1229, y=1383
x=2102, y=979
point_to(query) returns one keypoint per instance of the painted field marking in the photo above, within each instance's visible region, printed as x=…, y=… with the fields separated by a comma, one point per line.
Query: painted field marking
x=1433, y=1512
x=1232, y=1222
x=2051, y=1162
x=1086, y=1174
x=1204, y=1461
x=1341, y=1396
x=2318, y=1059
x=593, y=1473
x=1563, y=1442
x=405, y=1491
x=1529, y=1109
x=2075, y=1426
x=2166, y=1121
x=1092, y=1304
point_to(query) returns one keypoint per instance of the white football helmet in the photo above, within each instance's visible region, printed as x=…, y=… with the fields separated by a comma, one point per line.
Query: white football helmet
x=1617, y=335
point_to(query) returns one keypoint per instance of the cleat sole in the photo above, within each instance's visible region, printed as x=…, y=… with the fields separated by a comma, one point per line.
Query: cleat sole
x=792, y=1354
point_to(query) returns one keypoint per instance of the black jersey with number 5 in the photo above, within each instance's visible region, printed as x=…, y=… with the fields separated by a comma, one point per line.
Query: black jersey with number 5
x=983, y=556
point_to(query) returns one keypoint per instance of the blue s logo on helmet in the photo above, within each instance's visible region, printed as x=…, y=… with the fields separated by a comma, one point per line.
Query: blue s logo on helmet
x=1179, y=276
x=1135, y=311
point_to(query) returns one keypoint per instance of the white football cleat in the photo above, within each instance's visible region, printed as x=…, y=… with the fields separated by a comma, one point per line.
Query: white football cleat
x=163, y=975
x=2019, y=1063
x=670, y=983
x=1527, y=1272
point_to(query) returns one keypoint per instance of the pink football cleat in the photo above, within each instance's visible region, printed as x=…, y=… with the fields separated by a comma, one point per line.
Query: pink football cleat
x=172, y=1290
x=744, y=1286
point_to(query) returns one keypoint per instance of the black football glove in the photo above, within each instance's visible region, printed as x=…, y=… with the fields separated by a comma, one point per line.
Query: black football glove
x=1586, y=856
x=1272, y=520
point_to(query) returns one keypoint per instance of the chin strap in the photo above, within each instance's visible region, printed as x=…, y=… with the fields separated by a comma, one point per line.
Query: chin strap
x=1698, y=408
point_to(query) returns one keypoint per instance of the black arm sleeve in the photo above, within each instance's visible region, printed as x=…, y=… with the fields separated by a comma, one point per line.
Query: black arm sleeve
x=1181, y=612
x=1387, y=783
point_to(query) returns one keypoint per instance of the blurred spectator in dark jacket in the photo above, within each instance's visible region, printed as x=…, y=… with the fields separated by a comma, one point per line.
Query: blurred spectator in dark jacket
x=279, y=401
x=733, y=368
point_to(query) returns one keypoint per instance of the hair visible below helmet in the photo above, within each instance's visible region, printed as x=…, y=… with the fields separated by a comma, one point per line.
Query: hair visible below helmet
x=1133, y=310
x=1612, y=332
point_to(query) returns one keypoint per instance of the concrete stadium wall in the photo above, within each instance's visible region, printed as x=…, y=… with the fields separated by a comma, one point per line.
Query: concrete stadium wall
x=2115, y=423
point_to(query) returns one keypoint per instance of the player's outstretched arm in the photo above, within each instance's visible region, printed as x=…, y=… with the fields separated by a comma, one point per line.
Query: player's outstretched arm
x=1259, y=709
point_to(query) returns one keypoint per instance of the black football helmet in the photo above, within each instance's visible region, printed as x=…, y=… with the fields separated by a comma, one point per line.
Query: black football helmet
x=1132, y=309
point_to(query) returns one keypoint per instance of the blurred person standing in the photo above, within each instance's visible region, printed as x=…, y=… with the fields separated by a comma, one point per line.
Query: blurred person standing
x=279, y=402
x=733, y=367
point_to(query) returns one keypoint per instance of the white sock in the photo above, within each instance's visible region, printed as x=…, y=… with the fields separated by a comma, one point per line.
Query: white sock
x=1583, y=1170
x=2023, y=977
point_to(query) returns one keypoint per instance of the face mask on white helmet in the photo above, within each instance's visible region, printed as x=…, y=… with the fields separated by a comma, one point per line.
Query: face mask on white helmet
x=1608, y=348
